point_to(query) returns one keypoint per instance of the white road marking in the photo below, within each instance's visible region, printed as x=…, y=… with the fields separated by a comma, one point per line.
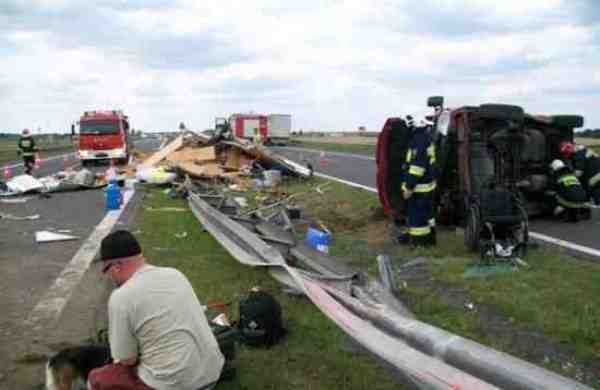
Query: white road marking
x=352, y=155
x=349, y=183
x=43, y=160
x=539, y=236
x=565, y=244
x=49, y=308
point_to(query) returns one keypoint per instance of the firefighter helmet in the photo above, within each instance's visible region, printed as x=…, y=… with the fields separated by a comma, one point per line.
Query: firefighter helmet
x=567, y=148
x=557, y=164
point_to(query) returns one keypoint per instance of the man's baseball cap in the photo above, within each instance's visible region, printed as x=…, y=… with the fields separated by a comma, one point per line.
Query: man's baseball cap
x=117, y=244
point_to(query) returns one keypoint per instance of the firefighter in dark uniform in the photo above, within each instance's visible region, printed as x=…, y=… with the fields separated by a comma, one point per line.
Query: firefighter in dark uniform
x=586, y=164
x=567, y=192
x=419, y=185
x=27, y=150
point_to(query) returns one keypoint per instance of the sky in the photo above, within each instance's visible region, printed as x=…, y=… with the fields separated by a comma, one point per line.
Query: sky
x=332, y=65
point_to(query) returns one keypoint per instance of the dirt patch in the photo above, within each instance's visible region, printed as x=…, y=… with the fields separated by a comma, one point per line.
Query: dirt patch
x=377, y=233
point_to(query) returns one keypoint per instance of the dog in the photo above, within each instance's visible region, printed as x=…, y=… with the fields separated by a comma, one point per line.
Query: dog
x=69, y=368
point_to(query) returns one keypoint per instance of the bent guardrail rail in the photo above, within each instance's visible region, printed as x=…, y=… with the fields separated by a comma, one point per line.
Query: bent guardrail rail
x=423, y=356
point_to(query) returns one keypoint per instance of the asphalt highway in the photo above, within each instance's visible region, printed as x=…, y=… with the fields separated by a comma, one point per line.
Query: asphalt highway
x=29, y=268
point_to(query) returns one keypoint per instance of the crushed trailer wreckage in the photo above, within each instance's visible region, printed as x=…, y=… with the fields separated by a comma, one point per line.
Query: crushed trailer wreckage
x=207, y=158
x=420, y=355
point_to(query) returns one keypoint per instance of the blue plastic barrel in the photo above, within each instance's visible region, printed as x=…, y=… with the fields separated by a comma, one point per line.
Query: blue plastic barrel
x=113, y=196
x=318, y=239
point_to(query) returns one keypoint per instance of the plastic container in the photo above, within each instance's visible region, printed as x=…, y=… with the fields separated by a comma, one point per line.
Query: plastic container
x=318, y=239
x=113, y=196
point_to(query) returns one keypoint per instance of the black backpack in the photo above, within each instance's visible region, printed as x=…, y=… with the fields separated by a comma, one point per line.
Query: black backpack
x=260, y=319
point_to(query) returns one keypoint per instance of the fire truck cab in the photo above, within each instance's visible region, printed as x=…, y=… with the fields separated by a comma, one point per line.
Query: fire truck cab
x=103, y=135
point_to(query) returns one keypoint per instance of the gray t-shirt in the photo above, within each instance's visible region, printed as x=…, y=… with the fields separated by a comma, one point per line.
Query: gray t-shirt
x=157, y=317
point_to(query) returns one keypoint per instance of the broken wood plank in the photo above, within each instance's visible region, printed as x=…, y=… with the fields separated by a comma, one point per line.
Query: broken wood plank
x=208, y=170
x=192, y=154
x=164, y=152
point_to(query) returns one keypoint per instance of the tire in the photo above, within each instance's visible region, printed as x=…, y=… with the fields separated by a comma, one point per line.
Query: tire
x=501, y=111
x=472, y=229
x=568, y=121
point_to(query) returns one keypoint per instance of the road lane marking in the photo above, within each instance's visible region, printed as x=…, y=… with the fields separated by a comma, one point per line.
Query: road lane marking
x=49, y=308
x=349, y=183
x=351, y=155
x=539, y=236
x=565, y=244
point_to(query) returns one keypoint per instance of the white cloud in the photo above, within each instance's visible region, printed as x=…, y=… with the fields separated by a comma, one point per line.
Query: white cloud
x=333, y=65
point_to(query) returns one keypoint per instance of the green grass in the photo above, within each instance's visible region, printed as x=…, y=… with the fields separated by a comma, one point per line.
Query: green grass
x=368, y=150
x=555, y=296
x=313, y=356
x=8, y=149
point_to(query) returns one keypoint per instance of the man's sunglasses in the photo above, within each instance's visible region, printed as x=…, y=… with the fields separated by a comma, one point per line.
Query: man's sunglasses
x=107, y=266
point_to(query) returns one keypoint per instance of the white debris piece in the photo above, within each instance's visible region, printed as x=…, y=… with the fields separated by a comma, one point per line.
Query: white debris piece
x=241, y=201
x=46, y=236
x=24, y=183
x=154, y=175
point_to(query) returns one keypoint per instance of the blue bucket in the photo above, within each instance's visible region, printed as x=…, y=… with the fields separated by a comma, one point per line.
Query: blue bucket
x=318, y=239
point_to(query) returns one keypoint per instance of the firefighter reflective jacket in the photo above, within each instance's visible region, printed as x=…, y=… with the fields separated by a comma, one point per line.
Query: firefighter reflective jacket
x=569, y=192
x=419, y=175
x=27, y=146
x=587, y=167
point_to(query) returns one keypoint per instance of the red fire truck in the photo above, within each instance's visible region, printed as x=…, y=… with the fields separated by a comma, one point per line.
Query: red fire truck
x=104, y=135
x=243, y=125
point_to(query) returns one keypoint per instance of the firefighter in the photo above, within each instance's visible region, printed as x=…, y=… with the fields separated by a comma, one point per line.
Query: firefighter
x=567, y=193
x=586, y=164
x=419, y=184
x=27, y=150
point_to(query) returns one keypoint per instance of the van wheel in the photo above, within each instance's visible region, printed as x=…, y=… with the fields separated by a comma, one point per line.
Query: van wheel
x=569, y=121
x=472, y=229
x=502, y=111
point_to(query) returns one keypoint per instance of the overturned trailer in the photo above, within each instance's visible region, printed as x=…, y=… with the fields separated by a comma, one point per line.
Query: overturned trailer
x=229, y=159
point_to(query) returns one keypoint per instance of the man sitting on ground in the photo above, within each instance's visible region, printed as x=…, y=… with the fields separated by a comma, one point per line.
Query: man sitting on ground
x=159, y=336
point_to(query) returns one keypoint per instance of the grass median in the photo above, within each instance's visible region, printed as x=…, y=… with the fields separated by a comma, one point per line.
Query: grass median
x=332, y=146
x=8, y=150
x=550, y=306
x=314, y=355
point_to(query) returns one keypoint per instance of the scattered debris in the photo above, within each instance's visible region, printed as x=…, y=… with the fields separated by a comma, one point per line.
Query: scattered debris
x=155, y=175
x=61, y=181
x=222, y=320
x=47, y=236
x=23, y=183
x=318, y=239
x=241, y=201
